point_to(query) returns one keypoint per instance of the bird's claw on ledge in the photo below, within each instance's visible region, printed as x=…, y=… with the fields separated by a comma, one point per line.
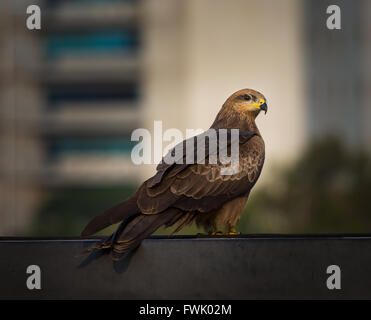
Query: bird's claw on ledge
x=232, y=233
x=217, y=233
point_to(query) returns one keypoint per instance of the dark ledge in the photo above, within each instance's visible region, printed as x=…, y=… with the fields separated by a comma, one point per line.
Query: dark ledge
x=190, y=267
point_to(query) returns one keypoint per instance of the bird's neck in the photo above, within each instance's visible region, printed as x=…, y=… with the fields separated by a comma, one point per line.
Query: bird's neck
x=235, y=120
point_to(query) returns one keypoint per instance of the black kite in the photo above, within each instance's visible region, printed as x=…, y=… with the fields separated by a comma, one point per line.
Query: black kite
x=185, y=193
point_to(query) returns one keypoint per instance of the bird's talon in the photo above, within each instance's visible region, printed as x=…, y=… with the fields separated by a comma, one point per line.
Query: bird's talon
x=233, y=233
x=217, y=233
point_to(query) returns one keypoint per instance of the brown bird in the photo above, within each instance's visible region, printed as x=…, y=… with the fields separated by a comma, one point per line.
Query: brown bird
x=183, y=193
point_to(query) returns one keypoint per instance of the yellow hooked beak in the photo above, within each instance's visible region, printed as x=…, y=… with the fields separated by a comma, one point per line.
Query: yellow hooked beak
x=261, y=105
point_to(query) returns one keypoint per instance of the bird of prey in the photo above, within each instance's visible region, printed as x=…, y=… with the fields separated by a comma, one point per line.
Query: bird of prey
x=181, y=193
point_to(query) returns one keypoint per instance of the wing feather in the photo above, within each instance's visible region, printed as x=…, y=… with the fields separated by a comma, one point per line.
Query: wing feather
x=203, y=187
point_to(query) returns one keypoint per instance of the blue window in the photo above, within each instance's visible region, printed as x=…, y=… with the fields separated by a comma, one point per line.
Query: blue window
x=90, y=146
x=91, y=43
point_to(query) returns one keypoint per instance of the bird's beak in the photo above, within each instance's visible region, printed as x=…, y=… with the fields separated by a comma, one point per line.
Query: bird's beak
x=262, y=105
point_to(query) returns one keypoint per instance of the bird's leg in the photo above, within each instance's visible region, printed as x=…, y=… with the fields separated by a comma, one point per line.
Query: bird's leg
x=216, y=231
x=231, y=231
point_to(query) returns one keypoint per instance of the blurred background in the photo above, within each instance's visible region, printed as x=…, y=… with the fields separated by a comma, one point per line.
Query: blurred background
x=72, y=93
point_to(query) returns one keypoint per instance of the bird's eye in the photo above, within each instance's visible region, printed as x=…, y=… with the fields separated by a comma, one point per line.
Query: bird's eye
x=247, y=97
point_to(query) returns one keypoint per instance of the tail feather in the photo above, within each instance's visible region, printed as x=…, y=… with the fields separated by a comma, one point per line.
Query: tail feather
x=114, y=215
x=138, y=229
x=183, y=220
x=108, y=242
x=134, y=227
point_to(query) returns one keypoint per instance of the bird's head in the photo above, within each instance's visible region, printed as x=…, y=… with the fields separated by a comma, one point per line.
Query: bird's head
x=247, y=101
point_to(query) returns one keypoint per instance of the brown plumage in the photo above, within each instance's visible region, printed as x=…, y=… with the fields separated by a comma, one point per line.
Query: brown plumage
x=185, y=193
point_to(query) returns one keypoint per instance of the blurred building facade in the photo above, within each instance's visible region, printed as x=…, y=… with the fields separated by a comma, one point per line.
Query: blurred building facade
x=338, y=77
x=72, y=93
x=71, y=99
